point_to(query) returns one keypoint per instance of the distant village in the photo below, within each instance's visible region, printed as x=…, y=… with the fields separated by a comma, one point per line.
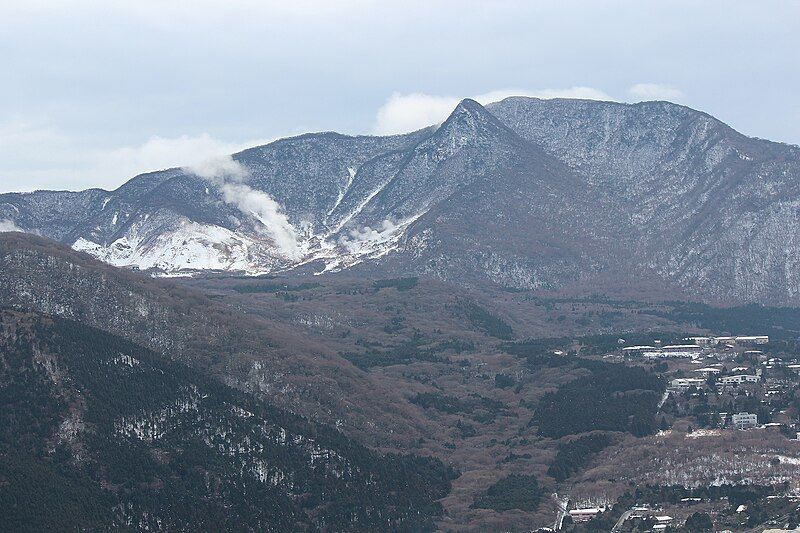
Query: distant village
x=728, y=364
x=714, y=384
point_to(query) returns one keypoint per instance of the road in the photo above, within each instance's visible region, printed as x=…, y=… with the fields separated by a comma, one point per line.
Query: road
x=627, y=514
x=663, y=399
x=562, y=511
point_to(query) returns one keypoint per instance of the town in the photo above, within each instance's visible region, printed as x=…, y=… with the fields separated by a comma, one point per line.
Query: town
x=730, y=382
x=714, y=385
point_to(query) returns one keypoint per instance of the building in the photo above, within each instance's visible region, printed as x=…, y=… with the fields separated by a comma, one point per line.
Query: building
x=708, y=370
x=685, y=383
x=671, y=350
x=744, y=340
x=661, y=523
x=752, y=339
x=680, y=350
x=586, y=514
x=637, y=350
x=738, y=379
x=745, y=420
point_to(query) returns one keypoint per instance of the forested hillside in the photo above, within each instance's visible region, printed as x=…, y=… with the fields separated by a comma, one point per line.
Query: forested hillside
x=100, y=433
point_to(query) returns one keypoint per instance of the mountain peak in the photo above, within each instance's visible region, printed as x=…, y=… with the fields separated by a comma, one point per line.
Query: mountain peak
x=469, y=104
x=469, y=118
x=675, y=179
x=470, y=108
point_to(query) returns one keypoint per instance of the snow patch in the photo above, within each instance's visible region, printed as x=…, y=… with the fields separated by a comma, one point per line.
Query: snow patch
x=351, y=175
x=359, y=208
x=366, y=243
x=192, y=246
x=698, y=433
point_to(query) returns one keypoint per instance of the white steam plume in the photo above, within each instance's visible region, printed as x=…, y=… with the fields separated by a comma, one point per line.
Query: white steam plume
x=229, y=176
x=8, y=225
x=359, y=240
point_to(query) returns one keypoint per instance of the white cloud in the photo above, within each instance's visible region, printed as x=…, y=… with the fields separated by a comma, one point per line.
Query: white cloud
x=654, y=91
x=219, y=169
x=64, y=161
x=161, y=152
x=229, y=176
x=408, y=112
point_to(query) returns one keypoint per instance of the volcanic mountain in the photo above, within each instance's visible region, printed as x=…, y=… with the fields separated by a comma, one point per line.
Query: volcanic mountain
x=520, y=194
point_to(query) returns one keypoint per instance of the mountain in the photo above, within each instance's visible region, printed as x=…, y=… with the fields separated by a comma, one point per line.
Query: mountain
x=523, y=194
x=100, y=433
x=109, y=375
x=402, y=365
x=714, y=211
x=274, y=359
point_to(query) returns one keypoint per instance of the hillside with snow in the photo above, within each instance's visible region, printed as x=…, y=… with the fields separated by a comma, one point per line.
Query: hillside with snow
x=521, y=194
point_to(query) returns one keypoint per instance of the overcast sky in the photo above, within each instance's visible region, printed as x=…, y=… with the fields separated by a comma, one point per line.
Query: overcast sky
x=93, y=92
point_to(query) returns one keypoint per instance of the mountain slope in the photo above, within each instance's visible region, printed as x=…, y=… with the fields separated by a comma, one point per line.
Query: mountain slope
x=554, y=230
x=716, y=211
x=525, y=193
x=276, y=361
x=135, y=442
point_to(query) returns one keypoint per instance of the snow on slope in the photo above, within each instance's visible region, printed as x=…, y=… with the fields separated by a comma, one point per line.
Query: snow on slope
x=361, y=245
x=190, y=247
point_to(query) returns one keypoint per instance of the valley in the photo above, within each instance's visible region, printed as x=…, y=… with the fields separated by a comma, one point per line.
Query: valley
x=490, y=383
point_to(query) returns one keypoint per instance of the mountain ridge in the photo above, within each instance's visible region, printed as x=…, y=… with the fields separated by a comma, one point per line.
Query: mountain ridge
x=650, y=189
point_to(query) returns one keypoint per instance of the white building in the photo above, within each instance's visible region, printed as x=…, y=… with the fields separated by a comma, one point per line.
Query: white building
x=685, y=383
x=738, y=379
x=681, y=348
x=671, y=350
x=745, y=420
x=583, y=515
x=637, y=349
x=743, y=340
x=752, y=339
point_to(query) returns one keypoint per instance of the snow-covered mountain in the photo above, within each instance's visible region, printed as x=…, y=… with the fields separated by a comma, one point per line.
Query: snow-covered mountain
x=525, y=193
